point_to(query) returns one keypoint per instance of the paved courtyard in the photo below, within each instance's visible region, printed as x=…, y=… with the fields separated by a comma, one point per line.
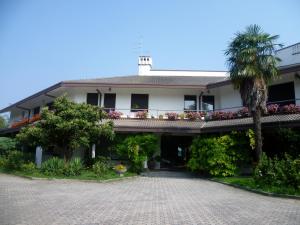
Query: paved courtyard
x=144, y=200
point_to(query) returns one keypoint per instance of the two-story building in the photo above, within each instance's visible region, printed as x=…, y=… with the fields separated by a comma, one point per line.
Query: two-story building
x=159, y=92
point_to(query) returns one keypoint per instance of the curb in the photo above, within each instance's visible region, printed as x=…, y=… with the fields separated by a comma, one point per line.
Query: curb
x=270, y=194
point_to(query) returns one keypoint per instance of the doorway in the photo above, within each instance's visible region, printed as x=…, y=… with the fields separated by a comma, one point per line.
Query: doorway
x=175, y=151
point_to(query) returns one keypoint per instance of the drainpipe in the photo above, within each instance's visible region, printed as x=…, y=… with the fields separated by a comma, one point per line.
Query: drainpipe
x=200, y=103
x=99, y=97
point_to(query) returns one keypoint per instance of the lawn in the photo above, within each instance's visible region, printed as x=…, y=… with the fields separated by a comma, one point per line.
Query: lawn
x=85, y=175
x=249, y=182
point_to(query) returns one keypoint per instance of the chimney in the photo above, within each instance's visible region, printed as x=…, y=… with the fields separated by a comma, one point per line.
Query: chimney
x=145, y=65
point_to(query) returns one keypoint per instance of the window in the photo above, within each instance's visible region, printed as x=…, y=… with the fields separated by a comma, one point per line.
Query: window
x=208, y=103
x=109, y=102
x=139, y=102
x=282, y=94
x=190, y=103
x=36, y=110
x=92, y=98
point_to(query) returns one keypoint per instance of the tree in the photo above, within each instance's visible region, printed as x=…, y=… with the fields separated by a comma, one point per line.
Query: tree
x=252, y=65
x=67, y=126
x=3, y=122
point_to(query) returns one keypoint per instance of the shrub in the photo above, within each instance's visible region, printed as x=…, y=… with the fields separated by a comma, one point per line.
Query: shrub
x=172, y=116
x=101, y=166
x=213, y=155
x=3, y=162
x=114, y=115
x=74, y=167
x=278, y=172
x=220, y=155
x=28, y=167
x=53, y=166
x=6, y=144
x=141, y=114
x=137, y=149
x=14, y=160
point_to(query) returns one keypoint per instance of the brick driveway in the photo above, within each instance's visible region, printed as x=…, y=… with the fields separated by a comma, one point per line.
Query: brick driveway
x=143, y=200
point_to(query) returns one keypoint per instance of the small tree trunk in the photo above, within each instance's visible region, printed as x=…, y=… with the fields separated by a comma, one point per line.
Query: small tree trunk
x=257, y=133
x=67, y=154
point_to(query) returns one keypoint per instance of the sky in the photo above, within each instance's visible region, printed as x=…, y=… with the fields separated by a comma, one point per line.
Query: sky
x=44, y=42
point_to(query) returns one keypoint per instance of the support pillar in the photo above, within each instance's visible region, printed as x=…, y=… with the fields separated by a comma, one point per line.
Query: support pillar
x=93, y=151
x=38, y=156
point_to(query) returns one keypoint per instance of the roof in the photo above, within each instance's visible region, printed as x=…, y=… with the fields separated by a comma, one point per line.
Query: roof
x=152, y=80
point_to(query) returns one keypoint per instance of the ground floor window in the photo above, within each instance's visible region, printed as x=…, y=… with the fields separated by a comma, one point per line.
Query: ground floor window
x=282, y=94
x=139, y=102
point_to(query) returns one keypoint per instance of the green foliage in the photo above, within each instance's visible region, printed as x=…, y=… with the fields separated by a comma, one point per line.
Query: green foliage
x=101, y=166
x=67, y=126
x=289, y=141
x=15, y=159
x=219, y=156
x=6, y=145
x=28, y=167
x=137, y=148
x=278, y=172
x=3, y=122
x=53, y=166
x=73, y=168
x=251, y=135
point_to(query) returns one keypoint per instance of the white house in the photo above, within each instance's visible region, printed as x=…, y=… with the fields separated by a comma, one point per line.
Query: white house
x=164, y=91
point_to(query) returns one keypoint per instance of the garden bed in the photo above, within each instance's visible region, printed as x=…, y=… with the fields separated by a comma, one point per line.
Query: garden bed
x=248, y=183
x=86, y=175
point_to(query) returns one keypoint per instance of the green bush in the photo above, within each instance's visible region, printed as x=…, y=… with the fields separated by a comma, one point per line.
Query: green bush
x=6, y=145
x=220, y=155
x=278, y=172
x=137, y=149
x=53, y=166
x=28, y=167
x=14, y=160
x=3, y=162
x=101, y=166
x=74, y=167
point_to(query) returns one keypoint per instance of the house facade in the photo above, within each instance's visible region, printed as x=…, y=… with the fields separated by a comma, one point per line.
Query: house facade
x=161, y=92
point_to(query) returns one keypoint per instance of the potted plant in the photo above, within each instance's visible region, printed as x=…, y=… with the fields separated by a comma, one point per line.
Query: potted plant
x=161, y=117
x=172, y=116
x=182, y=116
x=157, y=162
x=120, y=169
x=142, y=114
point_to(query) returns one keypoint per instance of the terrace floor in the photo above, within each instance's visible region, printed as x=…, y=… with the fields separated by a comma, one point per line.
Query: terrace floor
x=162, y=198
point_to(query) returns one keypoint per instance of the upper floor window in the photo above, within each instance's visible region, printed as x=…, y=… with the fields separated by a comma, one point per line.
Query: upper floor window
x=109, y=102
x=282, y=94
x=92, y=98
x=208, y=103
x=36, y=110
x=139, y=102
x=50, y=105
x=190, y=103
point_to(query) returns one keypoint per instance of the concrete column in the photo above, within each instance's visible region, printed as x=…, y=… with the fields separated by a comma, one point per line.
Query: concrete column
x=93, y=151
x=38, y=156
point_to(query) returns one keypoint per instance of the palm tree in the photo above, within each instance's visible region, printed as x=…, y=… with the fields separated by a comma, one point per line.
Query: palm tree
x=252, y=65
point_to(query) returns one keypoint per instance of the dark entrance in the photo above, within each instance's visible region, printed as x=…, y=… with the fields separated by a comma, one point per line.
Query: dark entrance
x=175, y=151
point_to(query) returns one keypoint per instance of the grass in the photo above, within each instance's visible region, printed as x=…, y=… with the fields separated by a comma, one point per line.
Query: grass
x=85, y=175
x=249, y=182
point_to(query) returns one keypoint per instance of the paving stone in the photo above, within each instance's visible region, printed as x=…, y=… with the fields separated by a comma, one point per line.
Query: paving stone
x=166, y=199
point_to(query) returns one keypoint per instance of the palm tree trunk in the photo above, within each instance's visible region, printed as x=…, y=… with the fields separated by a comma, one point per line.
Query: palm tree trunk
x=257, y=133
